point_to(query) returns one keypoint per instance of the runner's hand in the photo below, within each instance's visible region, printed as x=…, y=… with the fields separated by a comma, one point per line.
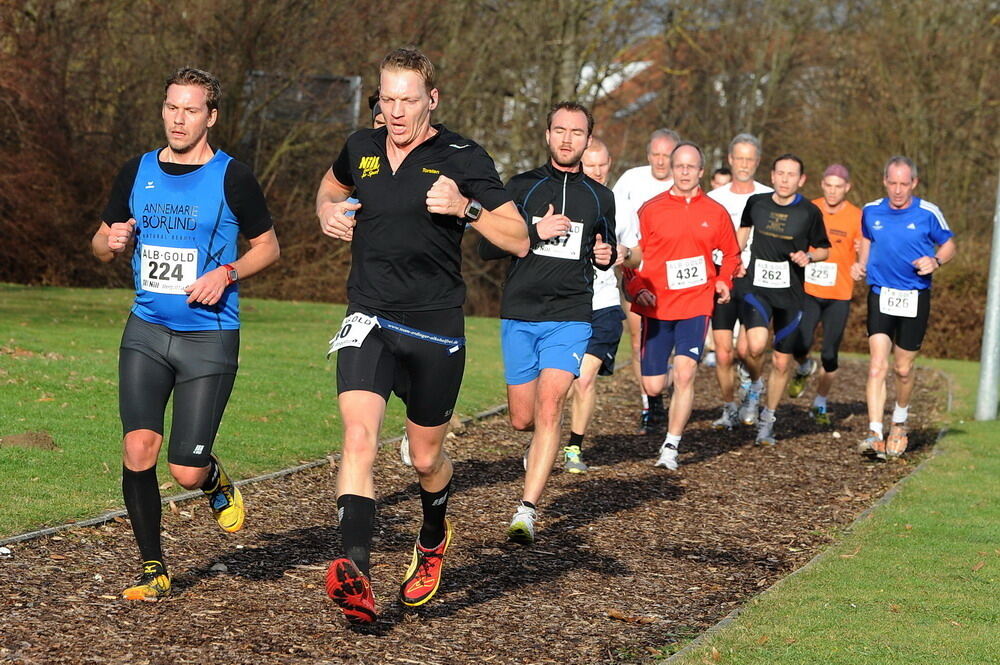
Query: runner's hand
x=120, y=235
x=552, y=225
x=443, y=198
x=646, y=298
x=741, y=271
x=800, y=259
x=858, y=272
x=602, y=251
x=208, y=288
x=620, y=258
x=925, y=265
x=722, y=293
x=335, y=222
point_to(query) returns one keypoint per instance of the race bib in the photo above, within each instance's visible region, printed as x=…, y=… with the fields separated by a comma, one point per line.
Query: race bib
x=822, y=273
x=168, y=269
x=895, y=302
x=771, y=274
x=685, y=273
x=561, y=247
x=353, y=331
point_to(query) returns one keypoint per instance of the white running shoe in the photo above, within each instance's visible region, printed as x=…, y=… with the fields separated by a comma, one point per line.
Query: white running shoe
x=522, y=525
x=765, y=432
x=751, y=406
x=729, y=419
x=404, y=451
x=668, y=457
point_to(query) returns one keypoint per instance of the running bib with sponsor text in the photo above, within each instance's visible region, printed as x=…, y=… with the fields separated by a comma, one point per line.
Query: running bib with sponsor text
x=685, y=273
x=896, y=302
x=353, y=331
x=822, y=273
x=168, y=269
x=561, y=247
x=771, y=274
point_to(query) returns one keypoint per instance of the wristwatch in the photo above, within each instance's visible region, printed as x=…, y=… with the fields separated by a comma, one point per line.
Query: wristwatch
x=231, y=275
x=473, y=210
x=628, y=253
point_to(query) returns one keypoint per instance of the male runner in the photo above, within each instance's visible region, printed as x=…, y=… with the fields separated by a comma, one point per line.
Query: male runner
x=906, y=239
x=744, y=157
x=546, y=307
x=184, y=206
x=788, y=236
x=678, y=284
x=418, y=185
x=606, y=326
x=828, y=287
x=635, y=187
x=721, y=176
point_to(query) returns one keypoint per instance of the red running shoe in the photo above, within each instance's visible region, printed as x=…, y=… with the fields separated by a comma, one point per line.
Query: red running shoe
x=424, y=574
x=350, y=589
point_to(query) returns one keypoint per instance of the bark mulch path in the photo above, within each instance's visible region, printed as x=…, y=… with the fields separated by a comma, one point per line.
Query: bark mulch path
x=629, y=559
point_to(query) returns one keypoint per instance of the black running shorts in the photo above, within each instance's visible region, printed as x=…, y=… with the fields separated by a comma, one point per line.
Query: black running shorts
x=725, y=315
x=756, y=311
x=905, y=332
x=424, y=374
x=199, y=367
x=606, y=332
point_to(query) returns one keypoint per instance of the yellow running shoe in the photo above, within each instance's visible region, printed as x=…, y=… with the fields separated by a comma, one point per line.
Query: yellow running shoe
x=153, y=583
x=424, y=574
x=226, y=502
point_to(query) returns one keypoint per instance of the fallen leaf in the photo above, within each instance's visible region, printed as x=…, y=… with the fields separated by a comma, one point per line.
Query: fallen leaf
x=978, y=566
x=621, y=616
x=716, y=656
x=57, y=557
x=852, y=554
x=167, y=485
x=763, y=639
x=894, y=608
x=174, y=509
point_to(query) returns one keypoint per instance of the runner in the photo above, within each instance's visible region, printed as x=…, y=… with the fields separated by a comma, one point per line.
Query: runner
x=744, y=158
x=184, y=206
x=789, y=235
x=606, y=324
x=721, y=176
x=546, y=307
x=635, y=187
x=418, y=184
x=378, y=118
x=828, y=289
x=676, y=288
x=906, y=239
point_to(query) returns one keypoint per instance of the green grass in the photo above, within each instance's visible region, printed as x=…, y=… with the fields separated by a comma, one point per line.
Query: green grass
x=59, y=374
x=914, y=583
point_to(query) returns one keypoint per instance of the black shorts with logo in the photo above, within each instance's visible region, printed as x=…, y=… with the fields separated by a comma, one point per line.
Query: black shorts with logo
x=606, y=333
x=199, y=367
x=757, y=311
x=905, y=332
x=424, y=374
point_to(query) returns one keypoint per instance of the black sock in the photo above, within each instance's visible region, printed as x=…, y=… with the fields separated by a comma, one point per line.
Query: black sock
x=357, y=524
x=528, y=504
x=435, y=505
x=656, y=405
x=142, y=502
x=212, y=479
x=576, y=439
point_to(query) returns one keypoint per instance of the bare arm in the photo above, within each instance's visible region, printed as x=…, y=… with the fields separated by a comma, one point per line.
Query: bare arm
x=859, y=269
x=742, y=235
x=925, y=265
x=111, y=240
x=332, y=206
x=502, y=226
x=208, y=288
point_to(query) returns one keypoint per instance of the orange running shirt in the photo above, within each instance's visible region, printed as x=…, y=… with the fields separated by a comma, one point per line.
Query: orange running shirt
x=831, y=279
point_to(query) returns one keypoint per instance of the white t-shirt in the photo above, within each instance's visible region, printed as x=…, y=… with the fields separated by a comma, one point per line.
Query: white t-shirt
x=734, y=204
x=634, y=187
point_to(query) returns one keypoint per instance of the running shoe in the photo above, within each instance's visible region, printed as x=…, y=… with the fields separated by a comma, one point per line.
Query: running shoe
x=744, y=388
x=797, y=385
x=896, y=444
x=151, y=584
x=710, y=359
x=652, y=422
x=404, y=451
x=821, y=416
x=424, y=574
x=643, y=418
x=730, y=417
x=574, y=460
x=668, y=457
x=765, y=432
x=351, y=590
x=750, y=407
x=522, y=525
x=874, y=445
x=226, y=502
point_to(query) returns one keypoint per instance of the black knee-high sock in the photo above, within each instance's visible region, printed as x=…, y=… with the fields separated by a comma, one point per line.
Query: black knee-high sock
x=435, y=505
x=357, y=524
x=142, y=501
x=212, y=479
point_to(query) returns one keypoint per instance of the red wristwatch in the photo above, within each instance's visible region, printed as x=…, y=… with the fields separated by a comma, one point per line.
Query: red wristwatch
x=231, y=275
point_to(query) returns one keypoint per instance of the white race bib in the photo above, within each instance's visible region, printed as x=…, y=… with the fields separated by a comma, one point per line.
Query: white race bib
x=685, y=273
x=898, y=303
x=561, y=247
x=822, y=273
x=771, y=274
x=353, y=331
x=168, y=269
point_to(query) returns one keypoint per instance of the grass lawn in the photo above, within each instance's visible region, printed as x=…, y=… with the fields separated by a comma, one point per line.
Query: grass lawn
x=916, y=582
x=59, y=372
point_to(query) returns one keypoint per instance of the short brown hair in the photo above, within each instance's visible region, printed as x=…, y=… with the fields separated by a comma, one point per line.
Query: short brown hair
x=571, y=106
x=192, y=76
x=410, y=59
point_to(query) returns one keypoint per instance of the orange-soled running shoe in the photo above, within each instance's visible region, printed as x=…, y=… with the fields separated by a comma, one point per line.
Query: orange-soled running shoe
x=897, y=442
x=424, y=574
x=351, y=590
x=151, y=584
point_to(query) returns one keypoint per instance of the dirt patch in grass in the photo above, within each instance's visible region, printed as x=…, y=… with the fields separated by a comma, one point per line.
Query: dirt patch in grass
x=38, y=440
x=629, y=558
